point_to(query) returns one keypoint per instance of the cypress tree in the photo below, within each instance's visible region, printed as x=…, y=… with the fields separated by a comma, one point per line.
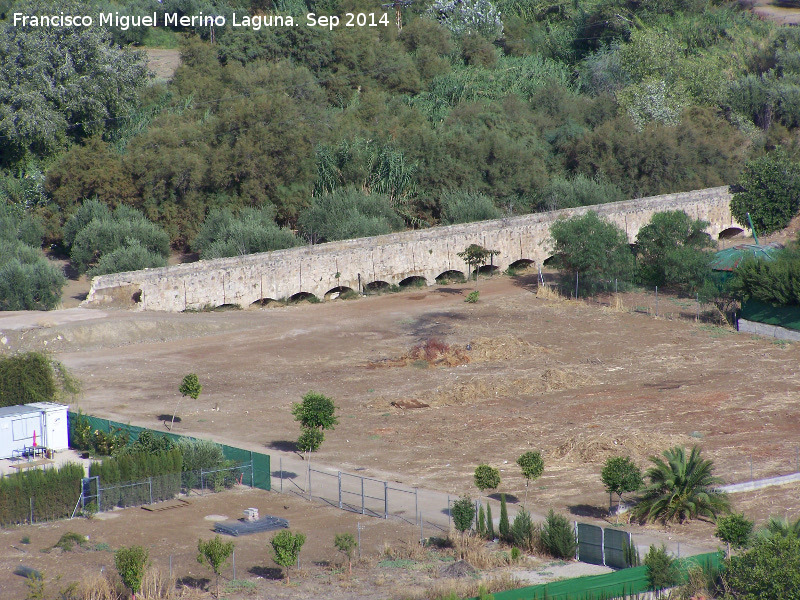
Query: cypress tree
x=489, y=523
x=504, y=526
x=481, y=522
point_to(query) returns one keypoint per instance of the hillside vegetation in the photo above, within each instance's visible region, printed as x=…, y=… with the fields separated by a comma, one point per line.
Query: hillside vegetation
x=473, y=110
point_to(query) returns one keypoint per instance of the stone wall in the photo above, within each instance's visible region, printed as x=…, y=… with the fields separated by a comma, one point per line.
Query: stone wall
x=391, y=259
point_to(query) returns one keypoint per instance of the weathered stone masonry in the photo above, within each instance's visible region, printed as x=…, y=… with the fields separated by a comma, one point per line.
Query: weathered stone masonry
x=392, y=258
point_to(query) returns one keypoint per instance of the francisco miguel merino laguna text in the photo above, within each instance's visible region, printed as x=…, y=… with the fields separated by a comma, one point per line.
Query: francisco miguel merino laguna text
x=255, y=22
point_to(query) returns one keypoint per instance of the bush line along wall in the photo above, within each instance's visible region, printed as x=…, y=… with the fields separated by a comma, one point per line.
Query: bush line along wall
x=619, y=584
x=48, y=494
x=261, y=462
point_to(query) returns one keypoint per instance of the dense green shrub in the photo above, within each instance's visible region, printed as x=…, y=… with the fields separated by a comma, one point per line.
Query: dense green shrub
x=593, y=248
x=524, y=533
x=34, y=377
x=200, y=454
x=461, y=206
x=672, y=250
x=126, y=231
x=735, y=530
x=771, y=569
x=662, y=569
x=768, y=189
x=252, y=230
x=349, y=213
x=578, y=191
x=27, y=280
x=54, y=493
x=558, y=536
x=775, y=282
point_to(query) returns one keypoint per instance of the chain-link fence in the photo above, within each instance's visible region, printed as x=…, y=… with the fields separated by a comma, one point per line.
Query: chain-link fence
x=97, y=496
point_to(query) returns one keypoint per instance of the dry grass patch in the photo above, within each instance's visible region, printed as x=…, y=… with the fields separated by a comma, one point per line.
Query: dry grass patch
x=504, y=347
x=597, y=447
x=466, y=588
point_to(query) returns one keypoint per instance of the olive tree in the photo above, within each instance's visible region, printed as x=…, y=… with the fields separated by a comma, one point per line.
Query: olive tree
x=486, y=477
x=315, y=413
x=286, y=548
x=620, y=475
x=190, y=386
x=131, y=564
x=532, y=465
x=215, y=554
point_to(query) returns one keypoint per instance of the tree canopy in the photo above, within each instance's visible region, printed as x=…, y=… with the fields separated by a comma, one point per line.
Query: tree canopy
x=60, y=84
x=768, y=189
x=671, y=250
x=591, y=247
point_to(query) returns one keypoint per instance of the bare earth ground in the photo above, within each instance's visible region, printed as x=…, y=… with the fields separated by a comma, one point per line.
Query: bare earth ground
x=579, y=381
x=173, y=534
x=163, y=62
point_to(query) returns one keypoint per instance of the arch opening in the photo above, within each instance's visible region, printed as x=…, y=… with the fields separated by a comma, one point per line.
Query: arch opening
x=451, y=276
x=264, y=302
x=228, y=306
x=414, y=281
x=488, y=269
x=730, y=232
x=341, y=291
x=549, y=262
x=377, y=286
x=303, y=296
x=136, y=298
x=521, y=264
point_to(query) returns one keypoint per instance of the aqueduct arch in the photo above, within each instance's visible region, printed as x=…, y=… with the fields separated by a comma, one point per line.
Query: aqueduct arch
x=382, y=261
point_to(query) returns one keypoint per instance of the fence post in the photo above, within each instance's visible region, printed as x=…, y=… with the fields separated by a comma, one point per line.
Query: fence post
x=31, y=511
x=358, y=525
x=234, y=565
x=202, y=483
x=448, y=512
x=253, y=475
x=150, y=481
x=362, y=496
x=280, y=466
x=385, y=500
x=340, y=489
x=697, y=297
x=603, y=544
x=577, y=539
x=170, y=566
x=656, y=300
x=416, y=502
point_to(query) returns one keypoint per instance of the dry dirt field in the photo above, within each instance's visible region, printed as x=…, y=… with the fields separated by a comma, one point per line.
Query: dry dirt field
x=578, y=381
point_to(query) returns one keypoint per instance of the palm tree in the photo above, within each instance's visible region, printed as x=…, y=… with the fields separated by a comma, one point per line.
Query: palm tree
x=680, y=488
x=781, y=527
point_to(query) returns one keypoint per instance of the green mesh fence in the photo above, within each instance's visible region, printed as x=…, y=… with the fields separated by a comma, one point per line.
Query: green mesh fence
x=614, y=542
x=590, y=543
x=622, y=583
x=259, y=476
x=761, y=312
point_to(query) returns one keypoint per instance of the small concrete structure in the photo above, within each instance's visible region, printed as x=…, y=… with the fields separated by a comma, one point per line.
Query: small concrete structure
x=19, y=424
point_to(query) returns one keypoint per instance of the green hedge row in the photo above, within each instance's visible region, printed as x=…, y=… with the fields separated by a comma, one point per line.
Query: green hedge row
x=53, y=493
x=157, y=477
x=136, y=466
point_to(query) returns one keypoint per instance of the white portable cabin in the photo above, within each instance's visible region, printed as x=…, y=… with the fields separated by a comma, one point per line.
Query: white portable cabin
x=18, y=424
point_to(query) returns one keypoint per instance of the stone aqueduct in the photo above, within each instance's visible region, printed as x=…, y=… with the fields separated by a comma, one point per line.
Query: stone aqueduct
x=370, y=263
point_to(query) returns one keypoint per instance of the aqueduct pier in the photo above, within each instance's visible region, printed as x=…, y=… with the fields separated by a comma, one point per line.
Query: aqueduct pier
x=370, y=263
